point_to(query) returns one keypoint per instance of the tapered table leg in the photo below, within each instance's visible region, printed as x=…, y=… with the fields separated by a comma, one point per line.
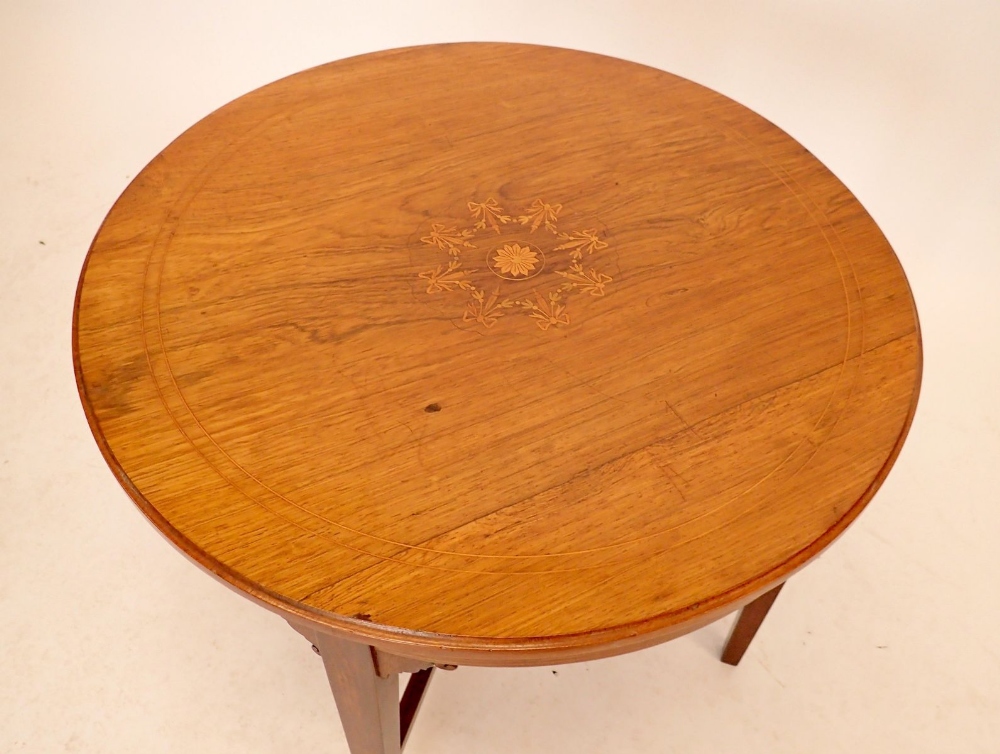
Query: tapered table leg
x=365, y=684
x=368, y=704
x=409, y=705
x=751, y=616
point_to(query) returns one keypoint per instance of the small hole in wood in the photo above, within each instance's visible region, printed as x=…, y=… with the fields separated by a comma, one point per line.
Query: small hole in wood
x=432, y=408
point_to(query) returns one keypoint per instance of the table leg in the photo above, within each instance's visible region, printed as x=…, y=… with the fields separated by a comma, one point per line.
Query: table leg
x=365, y=685
x=368, y=704
x=751, y=616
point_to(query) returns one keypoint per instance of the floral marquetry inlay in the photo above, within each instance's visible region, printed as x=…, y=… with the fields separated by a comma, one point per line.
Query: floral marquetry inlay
x=536, y=266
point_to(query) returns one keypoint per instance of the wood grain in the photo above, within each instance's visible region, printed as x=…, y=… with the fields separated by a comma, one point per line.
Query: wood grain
x=495, y=354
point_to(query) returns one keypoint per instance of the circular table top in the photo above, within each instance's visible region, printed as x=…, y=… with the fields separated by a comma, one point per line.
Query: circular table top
x=496, y=353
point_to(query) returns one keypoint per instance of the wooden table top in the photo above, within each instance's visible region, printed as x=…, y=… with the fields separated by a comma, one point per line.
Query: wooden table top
x=495, y=354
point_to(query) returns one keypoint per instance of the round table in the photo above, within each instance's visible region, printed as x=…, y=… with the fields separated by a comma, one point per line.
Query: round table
x=493, y=354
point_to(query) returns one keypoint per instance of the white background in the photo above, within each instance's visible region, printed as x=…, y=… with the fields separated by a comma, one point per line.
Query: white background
x=110, y=641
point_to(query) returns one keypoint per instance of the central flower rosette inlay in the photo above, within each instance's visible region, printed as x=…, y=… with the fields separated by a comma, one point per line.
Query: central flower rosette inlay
x=516, y=249
x=513, y=261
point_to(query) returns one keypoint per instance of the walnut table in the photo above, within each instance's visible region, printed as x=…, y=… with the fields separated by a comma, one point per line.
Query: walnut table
x=490, y=354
